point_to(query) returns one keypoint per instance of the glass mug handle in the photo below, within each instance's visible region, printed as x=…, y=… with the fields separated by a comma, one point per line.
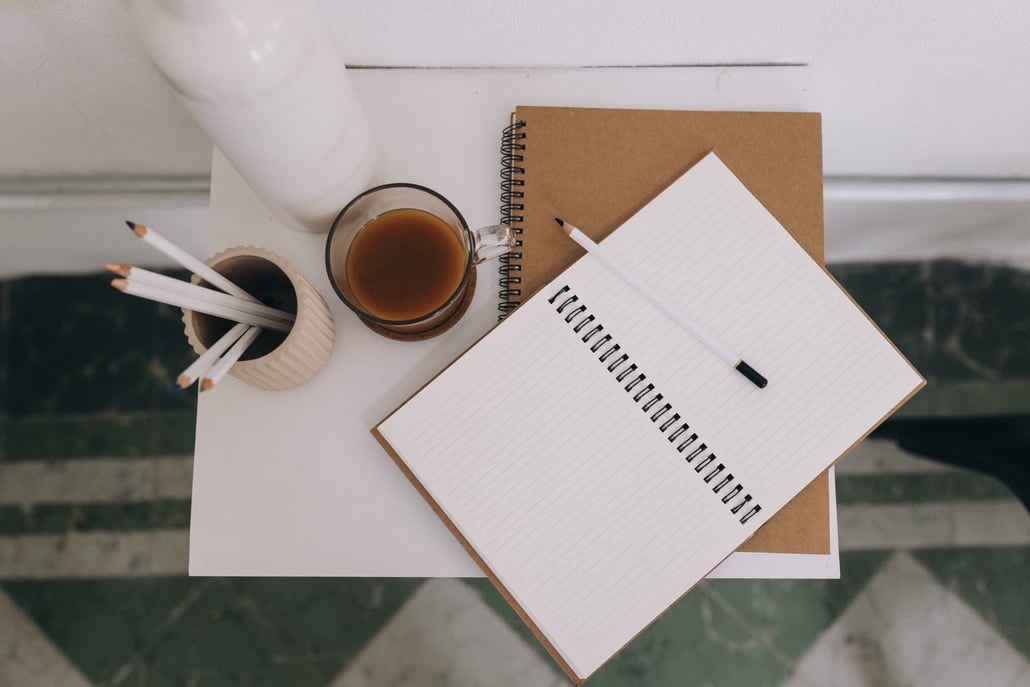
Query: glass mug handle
x=491, y=242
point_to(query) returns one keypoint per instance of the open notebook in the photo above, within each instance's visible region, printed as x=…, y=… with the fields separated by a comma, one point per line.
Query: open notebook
x=626, y=460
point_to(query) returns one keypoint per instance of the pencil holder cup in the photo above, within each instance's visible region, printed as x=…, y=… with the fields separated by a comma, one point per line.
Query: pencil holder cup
x=275, y=361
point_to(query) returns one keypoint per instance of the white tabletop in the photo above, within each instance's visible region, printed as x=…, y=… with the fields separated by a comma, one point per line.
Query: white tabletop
x=292, y=483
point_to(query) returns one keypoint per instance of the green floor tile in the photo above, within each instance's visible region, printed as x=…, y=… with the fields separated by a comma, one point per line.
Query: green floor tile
x=995, y=582
x=969, y=398
x=98, y=351
x=94, y=517
x=103, y=626
x=179, y=631
x=989, y=308
x=5, y=329
x=955, y=321
x=88, y=436
x=894, y=296
x=277, y=632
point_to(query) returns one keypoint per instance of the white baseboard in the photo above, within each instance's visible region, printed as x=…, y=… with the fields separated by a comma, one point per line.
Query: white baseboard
x=74, y=226
x=71, y=226
x=982, y=220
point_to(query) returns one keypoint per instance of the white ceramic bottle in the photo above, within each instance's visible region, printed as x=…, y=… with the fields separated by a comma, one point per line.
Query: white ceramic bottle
x=264, y=79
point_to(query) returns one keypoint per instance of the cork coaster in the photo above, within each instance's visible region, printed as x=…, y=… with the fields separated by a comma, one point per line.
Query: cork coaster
x=439, y=329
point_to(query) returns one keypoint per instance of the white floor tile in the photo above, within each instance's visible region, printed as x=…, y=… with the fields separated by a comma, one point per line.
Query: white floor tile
x=906, y=629
x=27, y=656
x=93, y=480
x=94, y=554
x=933, y=525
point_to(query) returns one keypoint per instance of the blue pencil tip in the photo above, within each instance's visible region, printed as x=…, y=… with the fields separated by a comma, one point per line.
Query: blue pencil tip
x=131, y=224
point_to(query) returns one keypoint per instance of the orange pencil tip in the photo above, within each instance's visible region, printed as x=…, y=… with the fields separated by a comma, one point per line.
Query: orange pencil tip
x=206, y=384
x=138, y=229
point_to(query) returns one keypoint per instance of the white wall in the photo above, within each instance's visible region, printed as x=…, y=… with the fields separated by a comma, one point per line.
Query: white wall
x=906, y=88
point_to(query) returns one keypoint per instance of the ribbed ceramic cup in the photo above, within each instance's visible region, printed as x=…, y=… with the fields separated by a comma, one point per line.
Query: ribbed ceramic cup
x=275, y=361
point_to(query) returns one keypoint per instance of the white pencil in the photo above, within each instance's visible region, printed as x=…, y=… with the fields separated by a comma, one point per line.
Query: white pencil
x=162, y=281
x=188, y=261
x=664, y=305
x=172, y=298
x=202, y=365
x=219, y=369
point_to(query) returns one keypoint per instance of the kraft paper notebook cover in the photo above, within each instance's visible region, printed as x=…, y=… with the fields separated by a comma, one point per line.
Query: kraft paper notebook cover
x=602, y=165
x=624, y=460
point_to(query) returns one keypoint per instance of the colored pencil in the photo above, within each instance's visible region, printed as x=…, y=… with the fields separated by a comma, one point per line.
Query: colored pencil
x=202, y=365
x=188, y=261
x=188, y=302
x=220, y=368
x=162, y=281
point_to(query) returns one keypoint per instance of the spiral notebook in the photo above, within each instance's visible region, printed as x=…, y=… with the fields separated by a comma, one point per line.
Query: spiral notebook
x=625, y=460
x=602, y=165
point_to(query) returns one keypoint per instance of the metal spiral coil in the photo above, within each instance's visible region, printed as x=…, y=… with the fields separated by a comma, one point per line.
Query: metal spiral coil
x=644, y=394
x=512, y=171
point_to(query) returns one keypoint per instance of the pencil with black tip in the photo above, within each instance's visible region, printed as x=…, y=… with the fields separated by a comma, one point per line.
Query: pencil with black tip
x=735, y=361
x=203, y=364
x=221, y=368
x=188, y=261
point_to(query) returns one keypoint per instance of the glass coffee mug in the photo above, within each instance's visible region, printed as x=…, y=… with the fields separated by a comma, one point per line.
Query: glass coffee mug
x=403, y=259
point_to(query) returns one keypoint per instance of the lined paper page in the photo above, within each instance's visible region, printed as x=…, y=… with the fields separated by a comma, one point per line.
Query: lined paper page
x=576, y=499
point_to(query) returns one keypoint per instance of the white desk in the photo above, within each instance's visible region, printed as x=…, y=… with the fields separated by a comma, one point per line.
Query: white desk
x=292, y=483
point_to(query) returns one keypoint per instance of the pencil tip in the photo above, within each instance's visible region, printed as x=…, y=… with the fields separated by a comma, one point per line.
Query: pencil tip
x=123, y=270
x=130, y=223
x=119, y=284
x=567, y=228
x=206, y=384
x=182, y=382
x=138, y=229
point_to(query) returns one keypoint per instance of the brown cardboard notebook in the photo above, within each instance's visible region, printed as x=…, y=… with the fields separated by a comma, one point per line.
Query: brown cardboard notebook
x=599, y=166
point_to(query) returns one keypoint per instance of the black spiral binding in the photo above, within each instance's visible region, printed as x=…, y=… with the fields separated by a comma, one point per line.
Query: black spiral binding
x=651, y=401
x=512, y=146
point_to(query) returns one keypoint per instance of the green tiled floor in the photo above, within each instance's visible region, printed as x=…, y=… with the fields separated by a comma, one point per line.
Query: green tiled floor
x=98, y=352
x=86, y=382
x=76, y=436
x=176, y=631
